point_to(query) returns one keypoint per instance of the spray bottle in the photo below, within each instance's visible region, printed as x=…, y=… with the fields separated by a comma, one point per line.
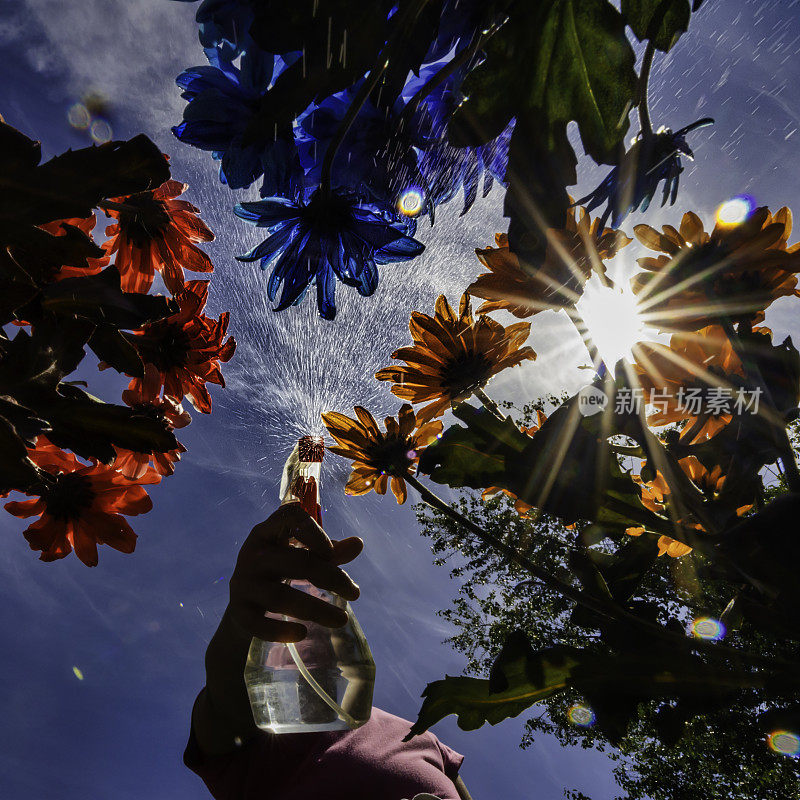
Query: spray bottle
x=325, y=682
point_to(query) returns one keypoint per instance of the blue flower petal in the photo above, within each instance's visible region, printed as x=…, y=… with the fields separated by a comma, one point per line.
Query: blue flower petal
x=402, y=249
x=267, y=213
x=326, y=293
x=269, y=248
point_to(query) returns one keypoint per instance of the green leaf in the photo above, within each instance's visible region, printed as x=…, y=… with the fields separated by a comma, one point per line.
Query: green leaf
x=90, y=427
x=72, y=184
x=32, y=362
x=476, y=456
x=41, y=255
x=626, y=569
x=555, y=62
x=661, y=21
x=99, y=299
x=17, y=471
x=567, y=468
x=613, y=684
x=114, y=348
x=541, y=164
x=529, y=677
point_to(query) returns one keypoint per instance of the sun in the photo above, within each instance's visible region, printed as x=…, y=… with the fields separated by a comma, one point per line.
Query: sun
x=612, y=318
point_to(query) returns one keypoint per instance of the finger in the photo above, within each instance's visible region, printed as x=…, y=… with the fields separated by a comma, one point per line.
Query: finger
x=290, y=521
x=346, y=550
x=296, y=563
x=252, y=620
x=284, y=599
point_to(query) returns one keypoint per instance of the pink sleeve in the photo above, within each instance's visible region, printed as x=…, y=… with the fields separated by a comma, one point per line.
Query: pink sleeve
x=225, y=776
x=452, y=760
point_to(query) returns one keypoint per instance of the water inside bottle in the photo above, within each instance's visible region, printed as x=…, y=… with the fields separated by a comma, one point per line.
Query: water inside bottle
x=339, y=664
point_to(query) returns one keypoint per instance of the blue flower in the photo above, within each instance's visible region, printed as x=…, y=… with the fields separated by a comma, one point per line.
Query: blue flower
x=377, y=159
x=223, y=28
x=633, y=183
x=223, y=100
x=446, y=168
x=458, y=24
x=318, y=241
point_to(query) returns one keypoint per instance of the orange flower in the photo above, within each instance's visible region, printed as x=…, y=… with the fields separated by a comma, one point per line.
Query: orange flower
x=186, y=348
x=572, y=253
x=146, y=400
x=82, y=506
x=736, y=271
x=156, y=232
x=452, y=356
x=655, y=493
x=683, y=379
x=61, y=227
x=520, y=506
x=378, y=454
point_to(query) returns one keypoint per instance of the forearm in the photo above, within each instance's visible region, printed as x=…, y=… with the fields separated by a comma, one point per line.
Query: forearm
x=222, y=718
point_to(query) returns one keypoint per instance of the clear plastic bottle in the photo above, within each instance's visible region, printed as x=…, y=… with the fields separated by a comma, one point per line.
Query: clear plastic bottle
x=325, y=682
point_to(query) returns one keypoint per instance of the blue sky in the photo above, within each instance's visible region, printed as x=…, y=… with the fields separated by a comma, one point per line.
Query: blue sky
x=136, y=626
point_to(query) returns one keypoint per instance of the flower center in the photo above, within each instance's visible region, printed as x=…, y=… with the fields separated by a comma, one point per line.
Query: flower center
x=390, y=454
x=71, y=495
x=328, y=216
x=144, y=219
x=166, y=349
x=464, y=374
x=149, y=410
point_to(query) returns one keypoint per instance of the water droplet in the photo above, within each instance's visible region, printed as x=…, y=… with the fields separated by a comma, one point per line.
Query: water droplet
x=580, y=715
x=735, y=210
x=708, y=628
x=78, y=116
x=784, y=742
x=101, y=131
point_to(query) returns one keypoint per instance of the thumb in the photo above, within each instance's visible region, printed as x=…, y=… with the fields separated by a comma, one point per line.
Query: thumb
x=346, y=550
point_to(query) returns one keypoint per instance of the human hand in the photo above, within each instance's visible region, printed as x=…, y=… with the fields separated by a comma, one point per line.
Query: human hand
x=267, y=558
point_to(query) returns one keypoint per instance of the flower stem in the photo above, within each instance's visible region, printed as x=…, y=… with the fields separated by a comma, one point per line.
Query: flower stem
x=411, y=12
x=507, y=550
x=644, y=79
x=606, y=608
x=582, y=328
x=488, y=403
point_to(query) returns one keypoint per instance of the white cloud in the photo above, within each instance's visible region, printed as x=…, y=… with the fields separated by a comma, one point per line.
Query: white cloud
x=129, y=51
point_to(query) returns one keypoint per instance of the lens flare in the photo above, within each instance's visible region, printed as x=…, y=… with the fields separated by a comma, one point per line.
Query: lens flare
x=708, y=628
x=411, y=202
x=784, y=742
x=101, y=131
x=612, y=318
x=582, y=716
x=78, y=116
x=735, y=210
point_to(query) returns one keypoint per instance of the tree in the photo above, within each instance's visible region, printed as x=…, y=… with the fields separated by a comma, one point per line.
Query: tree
x=720, y=754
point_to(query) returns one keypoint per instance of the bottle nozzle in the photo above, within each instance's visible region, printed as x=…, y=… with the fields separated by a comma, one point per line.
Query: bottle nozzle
x=311, y=448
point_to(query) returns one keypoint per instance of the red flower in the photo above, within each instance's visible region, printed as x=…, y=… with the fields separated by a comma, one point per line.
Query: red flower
x=145, y=399
x=82, y=507
x=186, y=349
x=156, y=232
x=86, y=225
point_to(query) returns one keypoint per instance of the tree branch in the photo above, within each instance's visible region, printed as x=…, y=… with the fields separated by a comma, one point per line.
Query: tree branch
x=608, y=609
